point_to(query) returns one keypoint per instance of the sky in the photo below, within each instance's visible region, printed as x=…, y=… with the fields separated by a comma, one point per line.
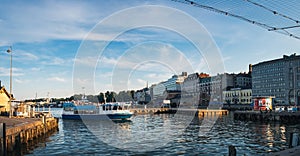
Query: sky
x=63, y=47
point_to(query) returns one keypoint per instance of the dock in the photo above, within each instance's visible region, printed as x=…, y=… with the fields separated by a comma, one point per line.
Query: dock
x=198, y=112
x=141, y=111
x=24, y=130
x=267, y=116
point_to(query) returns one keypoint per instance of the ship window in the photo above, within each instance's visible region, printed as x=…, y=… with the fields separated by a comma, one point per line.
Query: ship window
x=119, y=108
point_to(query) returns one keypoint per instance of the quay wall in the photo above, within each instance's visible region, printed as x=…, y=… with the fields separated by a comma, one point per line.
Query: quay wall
x=267, y=116
x=23, y=131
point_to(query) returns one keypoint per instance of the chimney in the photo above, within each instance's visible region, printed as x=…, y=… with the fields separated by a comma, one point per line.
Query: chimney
x=250, y=68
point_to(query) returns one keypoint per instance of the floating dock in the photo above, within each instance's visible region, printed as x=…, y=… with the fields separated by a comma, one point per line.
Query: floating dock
x=24, y=130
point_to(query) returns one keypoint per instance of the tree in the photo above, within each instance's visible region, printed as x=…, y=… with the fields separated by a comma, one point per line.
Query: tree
x=124, y=96
x=101, y=98
x=112, y=96
x=78, y=97
x=132, y=94
x=107, y=96
x=92, y=98
x=70, y=98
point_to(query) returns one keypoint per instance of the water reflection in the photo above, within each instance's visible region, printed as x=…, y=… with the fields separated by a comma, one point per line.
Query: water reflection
x=136, y=137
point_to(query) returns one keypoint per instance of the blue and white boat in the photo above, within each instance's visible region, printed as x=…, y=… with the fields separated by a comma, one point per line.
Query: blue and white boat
x=113, y=111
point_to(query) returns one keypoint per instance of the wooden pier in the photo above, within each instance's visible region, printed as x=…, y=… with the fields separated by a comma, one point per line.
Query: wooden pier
x=140, y=111
x=212, y=112
x=267, y=116
x=198, y=112
x=24, y=130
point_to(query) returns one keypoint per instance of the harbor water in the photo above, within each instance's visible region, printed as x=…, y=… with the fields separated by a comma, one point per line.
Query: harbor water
x=137, y=136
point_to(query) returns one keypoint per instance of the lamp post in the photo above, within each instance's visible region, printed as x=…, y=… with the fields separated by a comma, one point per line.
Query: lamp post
x=10, y=81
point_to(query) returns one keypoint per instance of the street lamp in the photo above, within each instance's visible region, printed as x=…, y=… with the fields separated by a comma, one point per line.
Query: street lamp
x=10, y=82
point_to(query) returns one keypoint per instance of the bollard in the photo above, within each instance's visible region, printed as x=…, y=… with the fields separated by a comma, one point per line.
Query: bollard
x=295, y=139
x=291, y=140
x=3, y=136
x=232, y=151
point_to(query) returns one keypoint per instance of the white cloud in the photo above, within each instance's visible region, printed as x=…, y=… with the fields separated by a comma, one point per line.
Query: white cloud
x=52, y=60
x=21, y=55
x=15, y=72
x=162, y=77
x=87, y=61
x=56, y=79
x=35, y=69
x=141, y=81
x=46, y=20
x=19, y=80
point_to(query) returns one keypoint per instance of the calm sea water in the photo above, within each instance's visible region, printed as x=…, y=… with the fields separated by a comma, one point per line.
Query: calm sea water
x=157, y=135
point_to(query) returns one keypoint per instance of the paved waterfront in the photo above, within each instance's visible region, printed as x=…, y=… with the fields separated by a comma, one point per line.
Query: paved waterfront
x=11, y=122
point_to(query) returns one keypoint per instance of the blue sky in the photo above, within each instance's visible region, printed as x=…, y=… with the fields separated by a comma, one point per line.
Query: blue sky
x=46, y=37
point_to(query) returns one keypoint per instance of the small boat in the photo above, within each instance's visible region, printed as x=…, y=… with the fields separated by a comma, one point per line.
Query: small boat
x=113, y=111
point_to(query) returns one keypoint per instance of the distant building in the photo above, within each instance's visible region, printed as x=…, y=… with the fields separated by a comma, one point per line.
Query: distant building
x=174, y=83
x=151, y=90
x=279, y=78
x=4, y=100
x=220, y=83
x=190, y=94
x=158, y=91
x=142, y=96
x=237, y=96
x=204, y=87
x=190, y=85
x=161, y=90
x=243, y=80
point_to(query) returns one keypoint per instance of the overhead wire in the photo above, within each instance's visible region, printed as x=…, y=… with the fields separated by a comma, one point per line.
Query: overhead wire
x=273, y=11
x=281, y=30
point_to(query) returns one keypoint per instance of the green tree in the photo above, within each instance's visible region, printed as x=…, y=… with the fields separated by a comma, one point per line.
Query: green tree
x=132, y=94
x=101, y=98
x=92, y=98
x=113, y=96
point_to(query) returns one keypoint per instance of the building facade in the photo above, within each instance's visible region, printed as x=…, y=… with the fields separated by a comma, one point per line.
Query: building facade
x=243, y=80
x=4, y=100
x=220, y=83
x=190, y=94
x=237, y=96
x=279, y=78
x=160, y=91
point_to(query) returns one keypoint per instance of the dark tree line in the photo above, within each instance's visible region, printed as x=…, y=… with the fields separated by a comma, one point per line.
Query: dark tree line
x=122, y=96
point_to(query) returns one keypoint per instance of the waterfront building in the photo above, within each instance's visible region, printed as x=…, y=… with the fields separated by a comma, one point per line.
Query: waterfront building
x=220, y=83
x=190, y=85
x=201, y=89
x=243, y=80
x=237, y=96
x=279, y=78
x=4, y=100
x=174, y=83
x=190, y=91
x=151, y=90
x=204, y=87
x=160, y=91
x=142, y=96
